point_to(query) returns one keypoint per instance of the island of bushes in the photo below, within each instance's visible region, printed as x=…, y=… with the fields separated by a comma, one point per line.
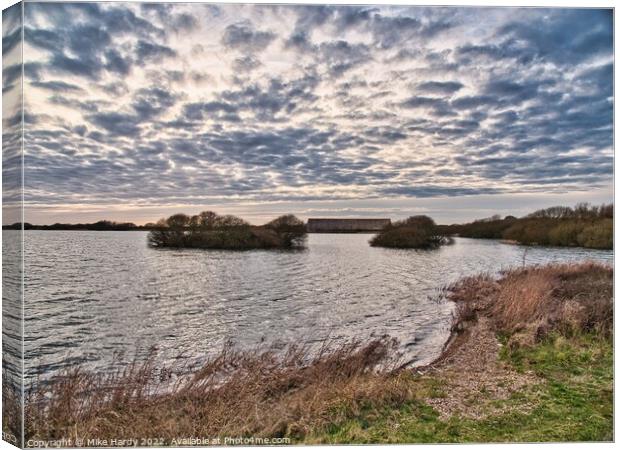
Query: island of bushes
x=414, y=232
x=209, y=230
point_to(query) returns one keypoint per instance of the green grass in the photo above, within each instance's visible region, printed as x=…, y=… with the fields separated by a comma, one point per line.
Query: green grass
x=573, y=402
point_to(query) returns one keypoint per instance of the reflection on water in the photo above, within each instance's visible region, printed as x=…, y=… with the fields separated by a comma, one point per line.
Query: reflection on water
x=90, y=295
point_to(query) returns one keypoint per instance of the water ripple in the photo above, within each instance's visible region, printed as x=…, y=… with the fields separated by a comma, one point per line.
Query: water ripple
x=90, y=295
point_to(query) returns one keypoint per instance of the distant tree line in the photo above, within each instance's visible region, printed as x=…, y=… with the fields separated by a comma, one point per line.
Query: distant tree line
x=414, y=232
x=584, y=225
x=102, y=225
x=209, y=230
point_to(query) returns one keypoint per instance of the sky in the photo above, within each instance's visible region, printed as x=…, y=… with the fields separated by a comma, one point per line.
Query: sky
x=138, y=111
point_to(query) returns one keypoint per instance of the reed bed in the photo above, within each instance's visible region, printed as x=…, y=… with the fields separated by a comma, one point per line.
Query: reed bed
x=236, y=393
x=529, y=303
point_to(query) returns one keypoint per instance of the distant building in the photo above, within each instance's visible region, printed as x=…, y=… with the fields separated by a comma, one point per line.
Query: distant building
x=346, y=225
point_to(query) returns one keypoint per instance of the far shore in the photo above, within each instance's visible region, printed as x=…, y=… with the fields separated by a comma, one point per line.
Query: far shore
x=584, y=225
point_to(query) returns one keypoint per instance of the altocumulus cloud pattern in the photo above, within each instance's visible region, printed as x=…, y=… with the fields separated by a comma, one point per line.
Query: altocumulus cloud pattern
x=155, y=104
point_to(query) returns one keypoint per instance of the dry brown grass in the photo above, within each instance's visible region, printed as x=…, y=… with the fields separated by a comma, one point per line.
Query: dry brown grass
x=529, y=303
x=234, y=394
x=11, y=410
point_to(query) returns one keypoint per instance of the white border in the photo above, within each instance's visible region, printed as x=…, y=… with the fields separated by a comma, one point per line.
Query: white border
x=462, y=3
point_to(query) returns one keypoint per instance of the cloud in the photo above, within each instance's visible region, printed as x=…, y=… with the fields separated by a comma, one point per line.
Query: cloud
x=11, y=40
x=184, y=22
x=216, y=110
x=599, y=79
x=491, y=53
x=75, y=66
x=341, y=56
x=272, y=102
x=56, y=86
x=151, y=102
x=45, y=39
x=324, y=103
x=116, y=63
x=244, y=37
x=437, y=191
x=116, y=124
x=11, y=74
x=475, y=101
x=122, y=20
x=152, y=52
x=424, y=102
x=440, y=87
x=246, y=64
x=566, y=36
x=87, y=40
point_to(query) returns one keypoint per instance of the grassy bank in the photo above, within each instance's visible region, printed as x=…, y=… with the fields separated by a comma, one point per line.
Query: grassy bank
x=530, y=359
x=571, y=400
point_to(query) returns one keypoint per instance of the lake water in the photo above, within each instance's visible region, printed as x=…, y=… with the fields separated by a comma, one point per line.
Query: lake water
x=90, y=295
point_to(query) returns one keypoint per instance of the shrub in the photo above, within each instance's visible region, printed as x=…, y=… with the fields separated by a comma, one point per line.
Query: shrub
x=491, y=228
x=533, y=231
x=291, y=230
x=598, y=235
x=165, y=236
x=422, y=223
x=565, y=234
x=414, y=232
x=591, y=233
